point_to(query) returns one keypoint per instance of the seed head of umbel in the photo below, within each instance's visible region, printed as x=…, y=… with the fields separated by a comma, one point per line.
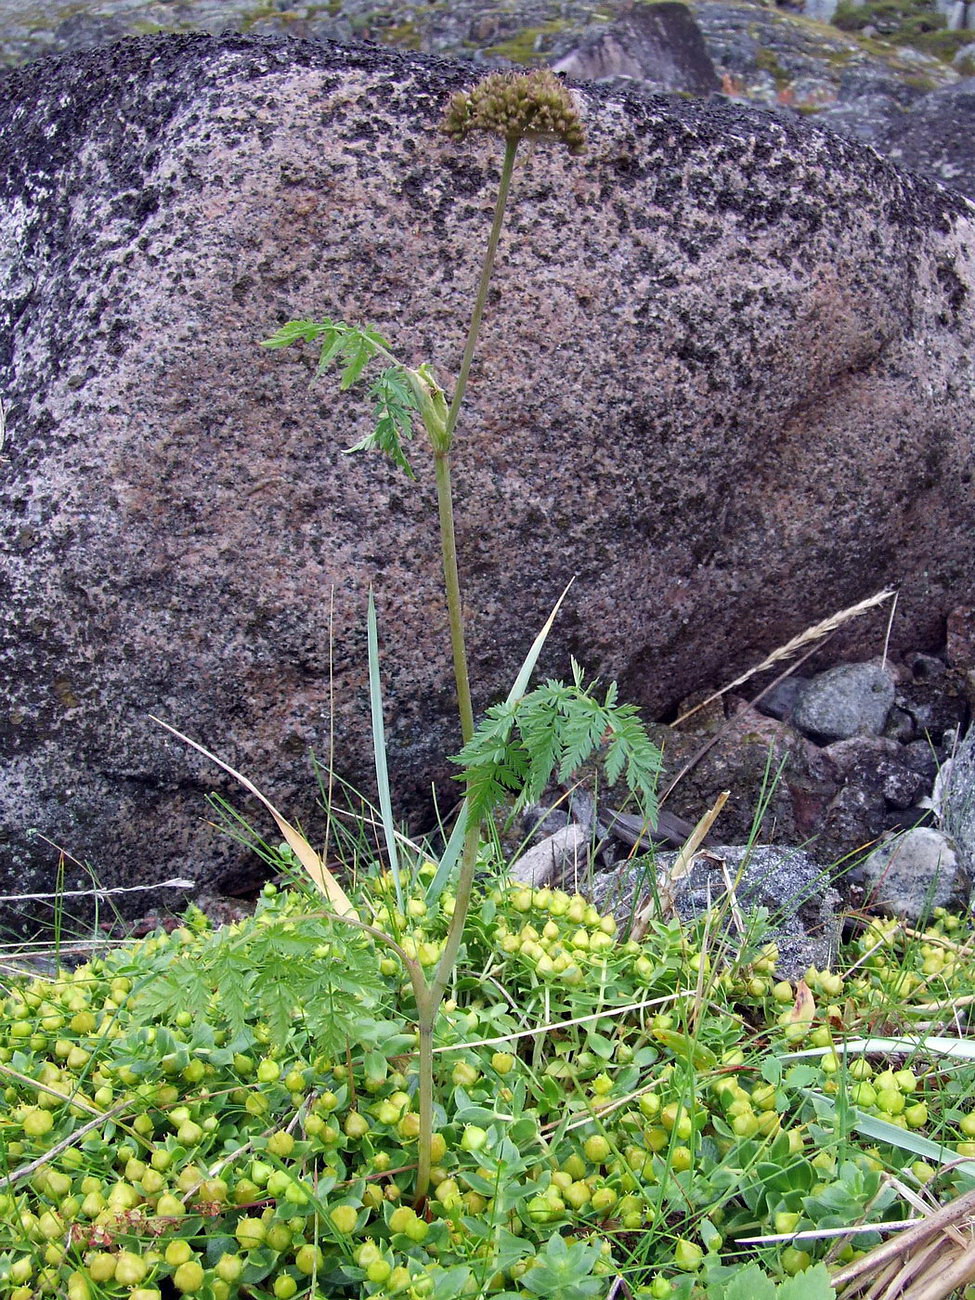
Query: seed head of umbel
x=517, y=106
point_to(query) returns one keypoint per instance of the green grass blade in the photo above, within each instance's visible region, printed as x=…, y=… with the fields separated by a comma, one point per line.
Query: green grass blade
x=379, y=749
x=449, y=857
x=531, y=659
x=878, y=1130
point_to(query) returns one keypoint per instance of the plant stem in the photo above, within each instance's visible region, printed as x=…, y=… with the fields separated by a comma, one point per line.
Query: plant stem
x=448, y=544
x=455, y=611
x=507, y=167
x=428, y=1002
x=455, y=930
x=427, y=1008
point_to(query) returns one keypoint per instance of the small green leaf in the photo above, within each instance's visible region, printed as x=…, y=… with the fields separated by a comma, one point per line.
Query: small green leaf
x=335, y=342
x=800, y=1076
x=358, y=351
x=295, y=331
x=751, y=1283
x=771, y=1070
x=811, y=1284
x=687, y=1048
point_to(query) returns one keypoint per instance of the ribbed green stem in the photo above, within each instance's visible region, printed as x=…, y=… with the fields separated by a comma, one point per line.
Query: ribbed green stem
x=426, y=1018
x=507, y=167
x=430, y=1005
x=455, y=611
x=429, y=999
x=455, y=931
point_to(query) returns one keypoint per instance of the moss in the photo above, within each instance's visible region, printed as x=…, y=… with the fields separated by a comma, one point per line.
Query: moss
x=890, y=17
x=918, y=81
x=766, y=61
x=944, y=44
x=255, y=15
x=916, y=23
x=405, y=35
x=838, y=58
x=528, y=45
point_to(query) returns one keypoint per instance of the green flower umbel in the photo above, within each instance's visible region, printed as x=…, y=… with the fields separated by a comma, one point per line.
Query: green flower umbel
x=517, y=106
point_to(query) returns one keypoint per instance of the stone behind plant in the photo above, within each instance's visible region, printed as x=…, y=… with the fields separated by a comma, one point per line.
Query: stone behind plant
x=785, y=884
x=914, y=873
x=725, y=384
x=955, y=801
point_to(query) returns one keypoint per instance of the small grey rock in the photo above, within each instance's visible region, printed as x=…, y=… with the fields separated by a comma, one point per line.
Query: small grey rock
x=921, y=758
x=900, y=726
x=878, y=764
x=786, y=882
x=855, y=818
x=911, y=875
x=850, y=700
x=955, y=801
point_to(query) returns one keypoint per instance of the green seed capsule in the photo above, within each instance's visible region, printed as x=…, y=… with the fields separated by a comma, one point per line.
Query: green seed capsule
x=473, y=1138
x=355, y=1125
x=130, y=1268
x=795, y=1261
x=250, y=1233
x=344, y=1219
x=596, y=1148
x=37, y=1122
x=309, y=1259
x=688, y=1255
x=178, y=1252
x=188, y=1278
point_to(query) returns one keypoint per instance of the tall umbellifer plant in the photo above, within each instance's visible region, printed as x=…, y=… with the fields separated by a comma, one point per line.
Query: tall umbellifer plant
x=521, y=743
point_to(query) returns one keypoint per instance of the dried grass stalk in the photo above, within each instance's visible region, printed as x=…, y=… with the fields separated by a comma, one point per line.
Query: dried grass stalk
x=682, y=865
x=926, y=1262
x=814, y=633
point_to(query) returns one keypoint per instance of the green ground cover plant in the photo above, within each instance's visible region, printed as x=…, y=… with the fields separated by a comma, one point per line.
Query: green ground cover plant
x=182, y=1117
x=407, y=1077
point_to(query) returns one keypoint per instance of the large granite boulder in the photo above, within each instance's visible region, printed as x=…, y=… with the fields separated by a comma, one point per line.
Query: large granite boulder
x=658, y=44
x=725, y=383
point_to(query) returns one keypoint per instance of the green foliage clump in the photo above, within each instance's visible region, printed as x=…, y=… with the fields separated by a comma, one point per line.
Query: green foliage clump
x=888, y=17
x=605, y=1108
x=917, y=23
x=529, y=44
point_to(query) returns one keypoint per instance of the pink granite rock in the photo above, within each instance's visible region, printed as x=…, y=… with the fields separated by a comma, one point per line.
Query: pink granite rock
x=726, y=383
